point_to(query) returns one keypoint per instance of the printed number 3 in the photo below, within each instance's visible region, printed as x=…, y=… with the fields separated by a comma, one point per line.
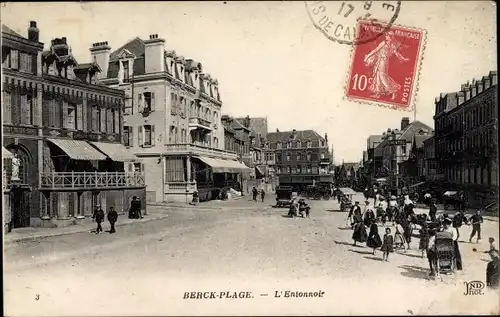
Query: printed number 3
x=37, y=296
x=350, y=8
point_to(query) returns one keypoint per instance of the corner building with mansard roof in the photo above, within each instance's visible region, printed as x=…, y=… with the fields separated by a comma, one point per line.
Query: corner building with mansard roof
x=172, y=119
x=62, y=150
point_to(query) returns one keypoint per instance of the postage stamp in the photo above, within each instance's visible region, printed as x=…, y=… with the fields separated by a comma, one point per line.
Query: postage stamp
x=337, y=20
x=386, y=70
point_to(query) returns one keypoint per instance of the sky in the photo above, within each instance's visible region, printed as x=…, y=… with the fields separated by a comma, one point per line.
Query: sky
x=271, y=61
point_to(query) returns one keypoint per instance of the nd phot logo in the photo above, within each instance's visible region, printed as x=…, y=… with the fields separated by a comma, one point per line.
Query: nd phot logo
x=474, y=288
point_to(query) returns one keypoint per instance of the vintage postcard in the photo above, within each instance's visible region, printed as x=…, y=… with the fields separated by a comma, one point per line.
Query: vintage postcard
x=249, y=158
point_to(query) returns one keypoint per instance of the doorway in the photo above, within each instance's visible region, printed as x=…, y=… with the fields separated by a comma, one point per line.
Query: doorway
x=20, y=202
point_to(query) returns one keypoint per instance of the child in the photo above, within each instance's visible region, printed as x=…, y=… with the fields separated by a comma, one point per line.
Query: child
x=387, y=245
x=424, y=238
x=493, y=246
x=399, y=238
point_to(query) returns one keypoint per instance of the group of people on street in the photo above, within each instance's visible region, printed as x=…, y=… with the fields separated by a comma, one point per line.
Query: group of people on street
x=99, y=216
x=255, y=193
x=298, y=208
x=403, y=217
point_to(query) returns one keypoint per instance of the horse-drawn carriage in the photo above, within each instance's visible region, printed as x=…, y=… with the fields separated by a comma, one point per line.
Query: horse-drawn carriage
x=346, y=198
x=284, y=196
x=321, y=190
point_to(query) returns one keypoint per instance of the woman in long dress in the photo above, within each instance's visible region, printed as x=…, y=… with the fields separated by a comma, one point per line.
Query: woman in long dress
x=359, y=234
x=374, y=240
x=378, y=59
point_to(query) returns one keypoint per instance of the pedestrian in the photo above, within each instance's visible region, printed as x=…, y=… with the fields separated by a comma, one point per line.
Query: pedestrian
x=381, y=210
x=138, y=207
x=447, y=227
x=374, y=240
x=399, y=239
x=262, y=194
x=387, y=245
x=254, y=193
x=131, y=210
x=433, y=210
x=369, y=216
x=476, y=221
x=407, y=229
x=98, y=216
x=431, y=253
x=424, y=238
x=458, y=221
x=492, y=271
x=112, y=218
x=493, y=246
x=359, y=234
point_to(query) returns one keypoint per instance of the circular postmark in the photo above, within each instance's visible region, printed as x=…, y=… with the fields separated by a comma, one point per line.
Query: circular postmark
x=337, y=20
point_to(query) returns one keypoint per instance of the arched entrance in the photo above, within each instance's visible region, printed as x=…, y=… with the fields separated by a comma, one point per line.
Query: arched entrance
x=20, y=190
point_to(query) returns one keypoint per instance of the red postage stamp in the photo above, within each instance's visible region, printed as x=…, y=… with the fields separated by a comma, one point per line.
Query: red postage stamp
x=385, y=70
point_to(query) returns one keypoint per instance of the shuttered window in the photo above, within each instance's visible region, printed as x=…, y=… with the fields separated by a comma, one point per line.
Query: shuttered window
x=140, y=136
x=7, y=107
x=109, y=121
x=102, y=119
x=79, y=116
x=14, y=59
x=116, y=119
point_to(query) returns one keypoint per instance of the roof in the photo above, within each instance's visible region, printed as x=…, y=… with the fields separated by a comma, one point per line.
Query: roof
x=136, y=46
x=236, y=125
x=301, y=135
x=257, y=125
x=349, y=165
x=372, y=139
x=413, y=129
x=419, y=140
x=10, y=31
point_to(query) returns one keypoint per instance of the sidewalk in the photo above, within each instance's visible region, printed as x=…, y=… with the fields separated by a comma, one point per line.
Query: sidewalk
x=24, y=234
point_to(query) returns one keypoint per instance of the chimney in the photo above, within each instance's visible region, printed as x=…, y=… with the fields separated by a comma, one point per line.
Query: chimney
x=154, y=54
x=405, y=122
x=33, y=32
x=277, y=130
x=461, y=98
x=99, y=53
x=326, y=138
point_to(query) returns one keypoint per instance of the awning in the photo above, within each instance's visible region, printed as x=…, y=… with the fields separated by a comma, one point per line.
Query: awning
x=224, y=166
x=417, y=184
x=78, y=150
x=347, y=191
x=261, y=170
x=115, y=151
x=6, y=153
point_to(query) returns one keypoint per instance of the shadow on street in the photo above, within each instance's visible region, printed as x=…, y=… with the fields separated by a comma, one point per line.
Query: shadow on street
x=413, y=271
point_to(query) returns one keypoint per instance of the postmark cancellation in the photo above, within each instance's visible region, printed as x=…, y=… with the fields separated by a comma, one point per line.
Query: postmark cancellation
x=385, y=71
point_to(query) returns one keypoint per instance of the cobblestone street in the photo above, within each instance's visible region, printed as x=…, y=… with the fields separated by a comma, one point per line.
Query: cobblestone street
x=239, y=246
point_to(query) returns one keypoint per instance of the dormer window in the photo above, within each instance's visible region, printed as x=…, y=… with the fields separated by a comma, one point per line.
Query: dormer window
x=126, y=70
x=278, y=145
x=309, y=143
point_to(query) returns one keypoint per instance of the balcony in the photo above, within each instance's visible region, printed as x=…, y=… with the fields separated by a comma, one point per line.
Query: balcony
x=324, y=161
x=199, y=123
x=195, y=149
x=91, y=180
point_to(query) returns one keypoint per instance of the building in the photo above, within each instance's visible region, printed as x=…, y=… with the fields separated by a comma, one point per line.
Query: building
x=466, y=140
x=64, y=130
x=430, y=161
x=371, y=165
x=394, y=149
x=301, y=157
x=413, y=169
x=172, y=118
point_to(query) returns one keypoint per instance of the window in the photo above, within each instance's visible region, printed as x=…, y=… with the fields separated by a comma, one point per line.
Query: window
x=128, y=106
x=403, y=149
x=289, y=170
x=95, y=118
x=216, y=142
x=309, y=143
x=7, y=107
x=70, y=117
x=27, y=109
x=294, y=170
x=323, y=156
x=278, y=158
x=126, y=70
x=308, y=156
x=288, y=157
x=299, y=157
x=322, y=143
x=171, y=135
x=14, y=59
x=148, y=140
x=289, y=144
x=278, y=170
x=128, y=136
x=216, y=117
x=25, y=61
x=278, y=145
x=299, y=170
x=149, y=101
x=315, y=170
x=309, y=170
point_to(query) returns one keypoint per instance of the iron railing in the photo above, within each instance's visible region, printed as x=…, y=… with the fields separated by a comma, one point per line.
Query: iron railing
x=89, y=180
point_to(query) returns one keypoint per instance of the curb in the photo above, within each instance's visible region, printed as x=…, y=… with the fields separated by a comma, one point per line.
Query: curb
x=55, y=234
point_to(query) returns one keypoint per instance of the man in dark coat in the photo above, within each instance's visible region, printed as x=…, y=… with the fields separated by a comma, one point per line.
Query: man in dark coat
x=492, y=270
x=112, y=218
x=262, y=194
x=98, y=216
x=254, y=193
x=131, y=211
x=476, y=222
x=433, y=210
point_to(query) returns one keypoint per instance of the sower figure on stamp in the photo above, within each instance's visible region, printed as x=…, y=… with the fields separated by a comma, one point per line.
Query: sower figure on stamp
x=378, y=59
x=98, y=216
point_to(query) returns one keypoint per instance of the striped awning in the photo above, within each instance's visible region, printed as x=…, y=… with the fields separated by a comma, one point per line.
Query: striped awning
x=6, y=153
x=115, y=151
x=224, y=166
x=78, y=150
